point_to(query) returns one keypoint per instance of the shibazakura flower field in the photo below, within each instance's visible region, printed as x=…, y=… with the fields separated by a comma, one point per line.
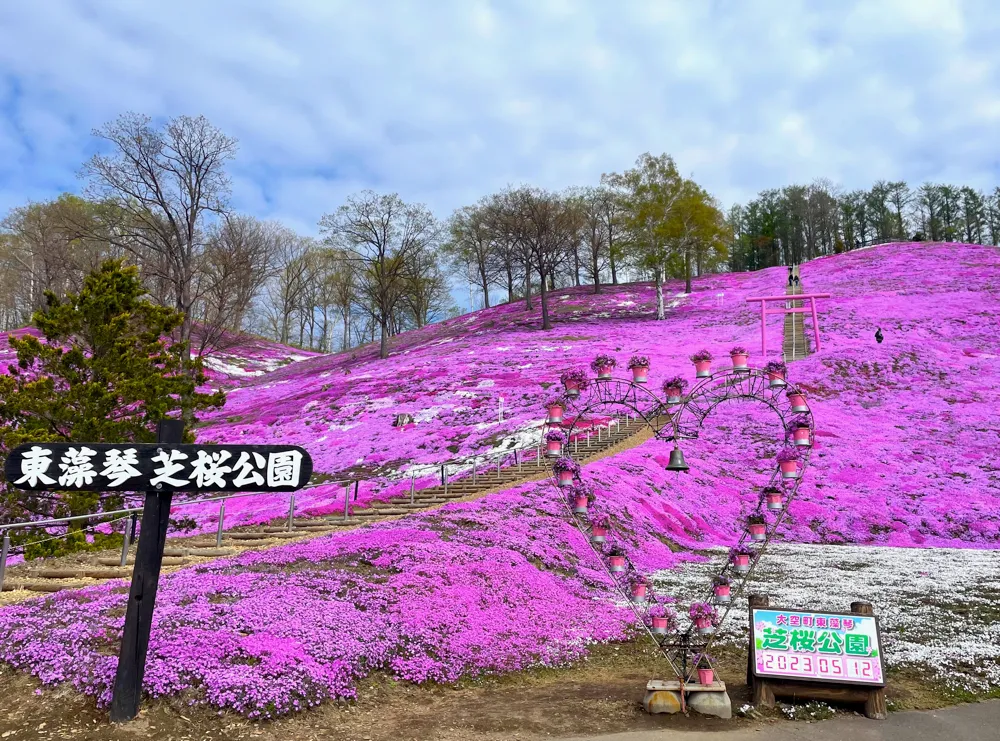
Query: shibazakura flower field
x=905, y=454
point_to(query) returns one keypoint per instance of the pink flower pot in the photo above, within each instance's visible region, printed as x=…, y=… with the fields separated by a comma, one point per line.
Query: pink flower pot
x=639, y=592
x=741, y=564
x=774, y=502
x=617, y=563
x=775, y=380
x=703, y=368
x=789, y=469
x=722, y=593
x=598, y=534
x=673, y=395
x=660, y=625
x=572, y=388
x=706, y=676
x=604, y=371
x=580, y=505
x=555, y=414
x=704, y=625
x=798, y=402
x=801, y=437
x=739, y=361
x=758, y=532
x=640, y=374
x=552, y=448
x=565, y=478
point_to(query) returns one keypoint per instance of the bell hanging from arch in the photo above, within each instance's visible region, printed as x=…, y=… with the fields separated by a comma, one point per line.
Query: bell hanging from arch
x=677, y=461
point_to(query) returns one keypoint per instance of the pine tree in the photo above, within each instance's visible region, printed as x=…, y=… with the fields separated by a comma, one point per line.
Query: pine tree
x=103, y=371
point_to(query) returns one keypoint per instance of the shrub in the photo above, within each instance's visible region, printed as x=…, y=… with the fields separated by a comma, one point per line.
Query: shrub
x=555, y=436
x=738, y=350
x=702, y=356
x=564, y=464
x=603, y=361
x=788, y=453
x=776, y=366
x=575, y=375
x=638, y=361
x=675, y=383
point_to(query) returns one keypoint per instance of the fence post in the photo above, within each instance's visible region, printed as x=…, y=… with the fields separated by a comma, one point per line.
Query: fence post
x=3, y=556
x=347, y=500
x=222, y=520
x=291, y=511
x=475, y=460
x=517, y=459
x=498, y=466
x=444, y=477
x=125, y=545
x=135, y=523
x=412, y=485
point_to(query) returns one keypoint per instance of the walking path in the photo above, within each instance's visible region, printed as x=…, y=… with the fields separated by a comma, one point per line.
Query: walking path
x=795, y=346
x=976, y=722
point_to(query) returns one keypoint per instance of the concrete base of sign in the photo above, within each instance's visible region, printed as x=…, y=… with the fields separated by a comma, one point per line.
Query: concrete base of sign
x=711, y=703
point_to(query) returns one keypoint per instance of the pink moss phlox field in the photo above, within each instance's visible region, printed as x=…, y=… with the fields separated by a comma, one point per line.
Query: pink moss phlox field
x=902, y=452
x=496, y=585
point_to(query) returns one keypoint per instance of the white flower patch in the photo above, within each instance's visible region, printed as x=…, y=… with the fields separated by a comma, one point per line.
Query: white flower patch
x=467, y=394
x=936, y=606
x=426, y=415
x=501, y=349
x=217, y=364
x=485, y=383
x=526, y=365
x=627, y=303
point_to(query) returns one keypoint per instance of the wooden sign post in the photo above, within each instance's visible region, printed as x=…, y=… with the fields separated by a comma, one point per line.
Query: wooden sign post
x=159, y=469
x=816, y=655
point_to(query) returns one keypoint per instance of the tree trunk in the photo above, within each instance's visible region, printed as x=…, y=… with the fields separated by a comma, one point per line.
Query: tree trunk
x=597, y=275
x=576, y=265
x=614, y=265
x=527, y=289
x=660, y=314
x=383, y=350
x=687, y=270
x=510, y=285
x=346, y=335
x=545, y=305
x=485, y=284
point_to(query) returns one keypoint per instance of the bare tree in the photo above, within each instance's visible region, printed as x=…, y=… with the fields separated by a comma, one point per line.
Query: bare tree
x=380, y=233
x=167, y=187
x=472, y=246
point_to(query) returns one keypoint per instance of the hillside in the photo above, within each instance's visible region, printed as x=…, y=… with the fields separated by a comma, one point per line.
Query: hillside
x=905, y=455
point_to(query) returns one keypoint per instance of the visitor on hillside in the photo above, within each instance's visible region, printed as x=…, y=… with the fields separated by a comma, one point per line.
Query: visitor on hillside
x=796, y=280
x=790, y=278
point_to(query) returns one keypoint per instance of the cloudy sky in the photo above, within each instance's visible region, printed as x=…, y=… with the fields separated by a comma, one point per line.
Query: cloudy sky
x=443, y=101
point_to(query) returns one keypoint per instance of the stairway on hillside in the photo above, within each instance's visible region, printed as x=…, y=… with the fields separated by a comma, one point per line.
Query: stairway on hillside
x=84, y=569
x=795, y=346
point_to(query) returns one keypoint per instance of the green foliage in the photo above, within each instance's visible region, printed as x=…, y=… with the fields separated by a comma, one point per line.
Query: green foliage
x=103, y=372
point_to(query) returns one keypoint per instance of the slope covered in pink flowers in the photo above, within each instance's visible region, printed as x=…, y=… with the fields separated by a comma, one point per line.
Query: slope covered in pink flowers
x=905, y=454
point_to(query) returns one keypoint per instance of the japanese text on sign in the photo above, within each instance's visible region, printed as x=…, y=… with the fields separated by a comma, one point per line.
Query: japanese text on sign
x=817, y=646
x=91, y=467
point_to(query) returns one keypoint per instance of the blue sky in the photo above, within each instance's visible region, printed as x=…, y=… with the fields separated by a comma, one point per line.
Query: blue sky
x=444, y=101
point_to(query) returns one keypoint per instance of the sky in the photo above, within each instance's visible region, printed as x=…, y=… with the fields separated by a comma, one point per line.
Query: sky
x=445, y=101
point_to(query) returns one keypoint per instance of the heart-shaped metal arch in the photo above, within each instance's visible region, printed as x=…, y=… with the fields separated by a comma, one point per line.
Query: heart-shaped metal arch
x=683, y=420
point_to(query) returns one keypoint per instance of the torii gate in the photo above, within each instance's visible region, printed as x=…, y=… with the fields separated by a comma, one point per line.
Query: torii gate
x=787, y=298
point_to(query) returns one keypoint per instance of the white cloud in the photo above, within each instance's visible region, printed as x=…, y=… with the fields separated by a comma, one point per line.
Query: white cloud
x=447, y=101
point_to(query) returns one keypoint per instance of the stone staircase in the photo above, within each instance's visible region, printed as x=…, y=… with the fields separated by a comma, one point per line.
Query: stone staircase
x=84, y=569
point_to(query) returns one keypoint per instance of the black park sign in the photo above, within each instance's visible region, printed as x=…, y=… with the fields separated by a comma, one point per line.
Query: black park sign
x=158, y=469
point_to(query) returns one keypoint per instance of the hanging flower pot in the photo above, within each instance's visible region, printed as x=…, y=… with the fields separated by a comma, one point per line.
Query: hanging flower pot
x=788, y=462
x=639, y=592
x=574, y=381
x=603, y=366
x=662, y=619
x=555, y=407
x=757, y=528
x=566, y=469
x=704, y=616
x=598, y=534
x=639, y=365
x=741, y=559
x=800, y=437
x=773, y=500
x=616, y=559
x=702, y=363
x=721, y=588
x=775, y=371
x=674, y=389
x=554, y=440
x=798, y=401
x=580, y=504
x=706, y=676
x=740, y=356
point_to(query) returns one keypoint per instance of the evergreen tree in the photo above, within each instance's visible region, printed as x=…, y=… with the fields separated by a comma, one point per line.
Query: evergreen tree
x=103, y=371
